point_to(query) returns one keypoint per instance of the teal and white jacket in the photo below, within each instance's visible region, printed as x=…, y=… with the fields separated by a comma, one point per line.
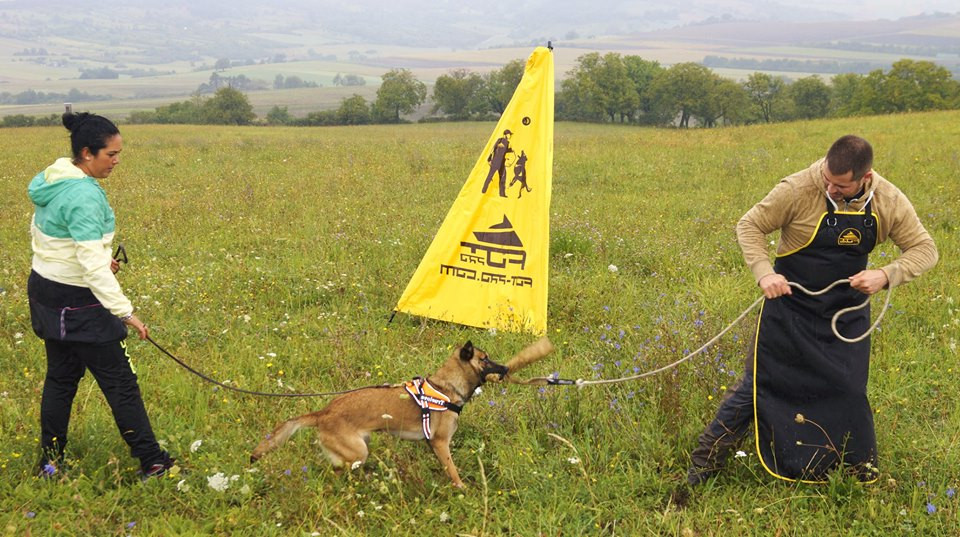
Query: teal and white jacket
x=72, y=230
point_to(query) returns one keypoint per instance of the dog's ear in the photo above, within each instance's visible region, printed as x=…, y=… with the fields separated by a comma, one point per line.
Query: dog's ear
x=466, y=352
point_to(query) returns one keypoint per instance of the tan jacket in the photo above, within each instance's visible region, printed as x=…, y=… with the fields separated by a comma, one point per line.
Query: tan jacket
x=796, y=205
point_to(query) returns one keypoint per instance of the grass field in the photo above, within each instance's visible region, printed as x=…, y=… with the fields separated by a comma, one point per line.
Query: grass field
x=272, y=257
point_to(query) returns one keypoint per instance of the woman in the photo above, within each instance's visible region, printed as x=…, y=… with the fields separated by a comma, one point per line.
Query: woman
x=76, y=304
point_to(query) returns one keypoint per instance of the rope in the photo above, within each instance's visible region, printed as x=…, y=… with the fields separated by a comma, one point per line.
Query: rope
x=544, y=381
x=251, y=392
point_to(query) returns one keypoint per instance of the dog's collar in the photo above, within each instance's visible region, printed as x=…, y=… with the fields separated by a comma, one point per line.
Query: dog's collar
x=429, y=399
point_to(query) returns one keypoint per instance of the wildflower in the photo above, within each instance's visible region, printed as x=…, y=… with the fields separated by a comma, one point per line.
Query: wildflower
x=218, y=482
x=612, y=268
x=30, y=514
x=444, y=517
x=360, y=514
x=354, y=466
x=130, y=525
x=182, y=486
x=950, y=492
x=49, y=469
x=195, y=446
x=574, y=460
x=931, y=509
x=740, y=454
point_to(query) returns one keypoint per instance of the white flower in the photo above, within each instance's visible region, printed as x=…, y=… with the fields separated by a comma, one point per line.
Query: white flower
x=444, y=517
x=18, y=335
x=387, y=417
x=612, y=268
x=355, y=465
x=246, y=318
x=574, y=460
x=360, y=513
x=272, y=354
x=182, y=486
x=478, y=391
x=195, y=446
x=566, y=255
x=245, y=489
x=218, y=482
x=740, y=454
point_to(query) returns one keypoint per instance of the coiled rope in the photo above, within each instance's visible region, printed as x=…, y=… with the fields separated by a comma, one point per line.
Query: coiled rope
x=544, y=381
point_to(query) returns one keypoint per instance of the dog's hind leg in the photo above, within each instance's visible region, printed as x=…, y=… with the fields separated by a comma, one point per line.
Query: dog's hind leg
x=344, y=449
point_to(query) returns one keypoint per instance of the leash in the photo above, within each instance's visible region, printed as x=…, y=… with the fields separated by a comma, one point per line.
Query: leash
x=251, y=392
x=554, y=381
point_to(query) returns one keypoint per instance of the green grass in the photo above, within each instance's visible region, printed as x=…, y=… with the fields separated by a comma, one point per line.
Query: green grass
x=269, y=255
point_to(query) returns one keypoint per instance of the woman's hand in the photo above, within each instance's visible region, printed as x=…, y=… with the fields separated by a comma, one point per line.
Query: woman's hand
x=135, y=323
x=114, y=266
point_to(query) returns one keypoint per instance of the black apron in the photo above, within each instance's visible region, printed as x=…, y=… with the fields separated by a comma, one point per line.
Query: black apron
x=810, y=397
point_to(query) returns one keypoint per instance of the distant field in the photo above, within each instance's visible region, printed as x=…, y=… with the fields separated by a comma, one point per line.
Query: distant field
x=309, y=55
x=272, y=257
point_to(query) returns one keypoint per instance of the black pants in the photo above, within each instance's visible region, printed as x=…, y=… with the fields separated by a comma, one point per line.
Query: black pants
x=110, y=366
x=731, y=424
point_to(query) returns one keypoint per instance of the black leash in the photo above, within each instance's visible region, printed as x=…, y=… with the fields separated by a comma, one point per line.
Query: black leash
x=251, y=392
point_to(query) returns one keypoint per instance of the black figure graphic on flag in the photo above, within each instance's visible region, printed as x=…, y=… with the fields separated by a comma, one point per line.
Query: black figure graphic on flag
x=498, y=163
x=520, y=174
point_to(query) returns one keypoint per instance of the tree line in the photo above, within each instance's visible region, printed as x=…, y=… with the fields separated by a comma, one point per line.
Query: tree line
x=610, y=88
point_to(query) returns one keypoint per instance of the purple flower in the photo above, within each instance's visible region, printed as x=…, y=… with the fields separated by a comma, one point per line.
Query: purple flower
x=130, y=525
x=30, y=514
x=286, y=472
x=49, y=469
x=303, y=468
x=492, y=402
x=931, y=509
x=950, y=492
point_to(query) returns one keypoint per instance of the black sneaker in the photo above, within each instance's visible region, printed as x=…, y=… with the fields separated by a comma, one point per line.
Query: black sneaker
x=159, y=469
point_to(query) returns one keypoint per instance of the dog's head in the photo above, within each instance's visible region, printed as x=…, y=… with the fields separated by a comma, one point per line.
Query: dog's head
x=480, y=362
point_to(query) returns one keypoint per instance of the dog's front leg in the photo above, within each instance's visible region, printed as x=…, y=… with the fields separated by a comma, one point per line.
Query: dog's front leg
x=441, y=448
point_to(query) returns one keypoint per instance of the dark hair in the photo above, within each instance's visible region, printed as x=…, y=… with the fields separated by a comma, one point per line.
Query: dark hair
x=850, y=153
x=88, y=130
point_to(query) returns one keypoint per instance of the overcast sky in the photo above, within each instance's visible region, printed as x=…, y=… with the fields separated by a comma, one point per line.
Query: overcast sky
x=879, y=9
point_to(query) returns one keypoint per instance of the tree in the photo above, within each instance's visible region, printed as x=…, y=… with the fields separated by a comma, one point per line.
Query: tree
x=353, y=111
x=456, y=94
x=222, y=64
x=499, y=86
x=764, y=91
x=844, y=94
x=682, y=91
x=811, y=97
x=732, y=101
x=399, y=93
x=228, y=107
x=580, y=96
x=642, y=73
x=917, y=85
x=278, y=115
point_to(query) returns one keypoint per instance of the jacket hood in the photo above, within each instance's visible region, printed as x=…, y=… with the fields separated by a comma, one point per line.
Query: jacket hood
x=58, y=177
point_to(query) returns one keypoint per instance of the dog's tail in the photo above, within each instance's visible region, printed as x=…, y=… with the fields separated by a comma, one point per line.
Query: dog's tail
x=281, y=434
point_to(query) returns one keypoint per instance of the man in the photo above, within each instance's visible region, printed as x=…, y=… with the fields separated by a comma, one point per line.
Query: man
x=803, y=389
x=498, y=163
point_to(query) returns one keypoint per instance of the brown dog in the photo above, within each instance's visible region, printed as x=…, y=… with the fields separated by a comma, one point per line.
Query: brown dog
x=412, y=411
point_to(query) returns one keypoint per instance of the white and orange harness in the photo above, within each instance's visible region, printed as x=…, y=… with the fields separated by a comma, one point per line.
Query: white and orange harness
x=429, y=399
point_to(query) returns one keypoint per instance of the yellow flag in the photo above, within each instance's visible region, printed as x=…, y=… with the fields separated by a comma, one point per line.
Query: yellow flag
x=487, y=266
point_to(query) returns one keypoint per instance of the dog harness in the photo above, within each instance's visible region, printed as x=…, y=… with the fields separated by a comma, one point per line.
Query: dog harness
x=429, y=399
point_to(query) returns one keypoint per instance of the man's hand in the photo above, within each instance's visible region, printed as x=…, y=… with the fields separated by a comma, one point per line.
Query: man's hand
x=137, y=325
x=774, y=286
x=869, y=282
